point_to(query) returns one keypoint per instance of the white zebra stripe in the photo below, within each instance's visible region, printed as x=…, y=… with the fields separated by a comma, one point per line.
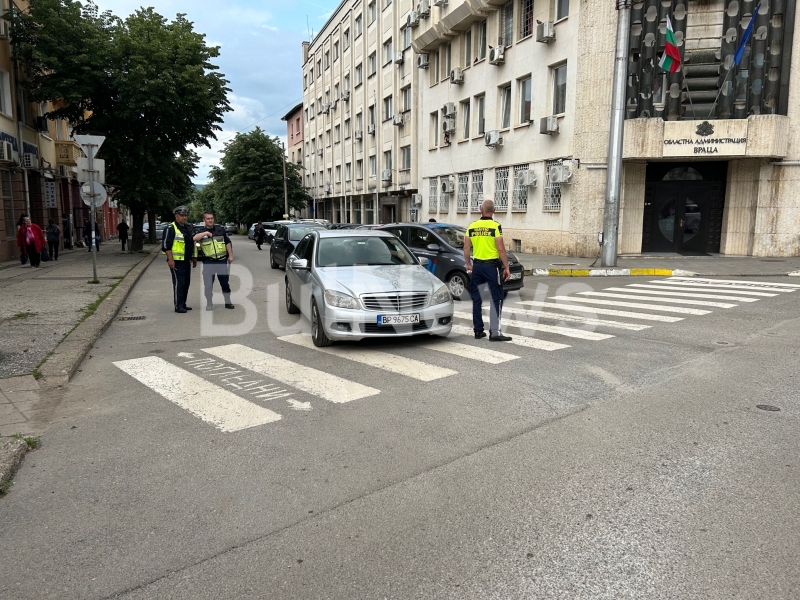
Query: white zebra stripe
x=603, y=311
x=660, y=299
x=493, y=357
x=518, y=340
x=655, y=307
x=565, y=331
x=738, y=281
x=576, y=319
x=731, y=286
x=694, y=289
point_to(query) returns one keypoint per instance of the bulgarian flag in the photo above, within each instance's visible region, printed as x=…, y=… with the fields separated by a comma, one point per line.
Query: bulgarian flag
x=671, y=59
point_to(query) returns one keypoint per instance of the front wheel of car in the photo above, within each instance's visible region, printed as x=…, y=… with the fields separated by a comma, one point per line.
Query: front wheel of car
x=291, y=307
x=272, y=262
x=318, y=335
x=458, y=284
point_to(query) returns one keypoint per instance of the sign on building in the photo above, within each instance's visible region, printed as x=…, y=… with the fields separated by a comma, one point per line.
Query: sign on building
x=705, y=139
x=50, y=194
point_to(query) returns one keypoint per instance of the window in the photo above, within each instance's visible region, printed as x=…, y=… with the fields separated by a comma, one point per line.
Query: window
x=406, y=38
x=468, y=48
x=481, y=40
x=8, y=204
x=371, y=110
x=327, y=97
x=465, y=120
x=552, y=191
x=562, y=9
x=525, y=18
x=358, y=25
x=559, y=89
x=387, y=3
x=346, y=39
x=346, y=128
x=501, y=188
x=387, y=108
x=507, y=24
x=388, y=55
x=306, y=113
x=481, y=102
x=313, y=145
x=387, y=160
x=305, y=81
x=337, y=134
x=359, y=169
x=406, y=98
x=444, y=199
x=369, y=212
x=372, y=65
x=348, y=171
x=359, y=122
x=505, y=106
x=327, y=59
x=312, y=111
x=338, y=173
x=462, y=203
x=346, y=83
x=420, y=237
x=434, y=133
x=433, y=201
x=336, y=51
x=359, y=74
x=524, y=100
x=328, y=137
x=357, y=212
x=434, y=67
x=297, y=126
x=445, y=61
x=336, y=95
x=405, y=157
x=520, y=201
x=477, y=189
x=372, y=11
x=373, y=166
x=319, y=105
x=319, y=68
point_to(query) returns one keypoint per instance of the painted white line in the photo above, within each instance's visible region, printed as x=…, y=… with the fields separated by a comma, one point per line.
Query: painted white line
x=659, y=299
x=662, y=292
x=604, y=311
x=213, y=404
x=655, y=307
x=318, y=383
x=565, y=331
x=482, y=354
x=518, y=340
x=393, y=363
x=723, y=286
x=694, y=289
x=739, y=281
x=575, y=319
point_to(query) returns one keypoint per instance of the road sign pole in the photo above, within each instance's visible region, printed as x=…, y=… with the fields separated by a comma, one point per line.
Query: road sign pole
x=285, y=191
x=90, y=155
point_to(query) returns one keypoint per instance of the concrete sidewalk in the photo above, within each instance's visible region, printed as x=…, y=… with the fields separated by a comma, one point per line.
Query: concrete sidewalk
x=663, y=264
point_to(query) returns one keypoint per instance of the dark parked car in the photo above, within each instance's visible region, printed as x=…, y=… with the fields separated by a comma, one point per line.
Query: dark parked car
x=443, y=245
x=342, y=226
x=285, y=240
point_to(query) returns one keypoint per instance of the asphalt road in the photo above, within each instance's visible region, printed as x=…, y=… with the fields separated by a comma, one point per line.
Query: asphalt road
x=616, y=460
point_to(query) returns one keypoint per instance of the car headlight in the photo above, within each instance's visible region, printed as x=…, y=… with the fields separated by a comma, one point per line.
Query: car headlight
x=340, y=300
x=441, y=296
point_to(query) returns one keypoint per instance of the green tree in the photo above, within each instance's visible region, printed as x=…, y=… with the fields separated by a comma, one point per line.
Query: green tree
x=248, y=184
x=146, y=83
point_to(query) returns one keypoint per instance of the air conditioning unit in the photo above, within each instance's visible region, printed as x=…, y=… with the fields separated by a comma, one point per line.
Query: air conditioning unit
x=344, y=95
x=493, y=138
x=449, y=109
x=497, y=55
x=30, y=161
x=413, y=19
x=424, y=8
x=63, y=171
x=326, y=109
x=386, y=176
x=448, y=125
x=399, y=58
x=327, y=189
x=371, y=129
x=449, y=185
x=560, y=173
x=545, y=32
x=525, y=179
x=398, y=120
x=456, y=76
x=548, y=125
x=440, y=3
x=4, y=29
x=358, y=134
x=41, y=124
x=422, y=61
x=416, y=198
x=6, y=150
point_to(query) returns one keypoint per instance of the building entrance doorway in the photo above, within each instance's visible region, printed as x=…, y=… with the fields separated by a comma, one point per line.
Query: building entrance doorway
x=388, y=214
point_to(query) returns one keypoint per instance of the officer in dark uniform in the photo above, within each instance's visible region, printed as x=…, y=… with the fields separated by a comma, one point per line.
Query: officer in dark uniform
x=487, y=264
x=216, y=253
x=179, y=247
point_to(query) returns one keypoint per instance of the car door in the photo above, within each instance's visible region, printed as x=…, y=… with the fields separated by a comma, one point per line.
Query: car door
x=419, y=238
x=305, y=251
x=396, y=230
x=298, y=279
x=278, y=247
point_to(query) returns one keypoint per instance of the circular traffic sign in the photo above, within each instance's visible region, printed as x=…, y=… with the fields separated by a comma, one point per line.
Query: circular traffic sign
x=100, y=194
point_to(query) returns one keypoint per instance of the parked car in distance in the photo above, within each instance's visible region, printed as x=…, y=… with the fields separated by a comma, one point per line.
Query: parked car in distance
x=358, y=284
x=367, y=227
x=443, y=245
x=285, y=240
x=342, y=226
x=231, y=228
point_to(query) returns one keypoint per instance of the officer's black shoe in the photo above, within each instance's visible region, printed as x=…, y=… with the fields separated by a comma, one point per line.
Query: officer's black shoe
x=480, y=334
x=499, y=338
x=188, y=307
x=229, y=306
x=180, y=310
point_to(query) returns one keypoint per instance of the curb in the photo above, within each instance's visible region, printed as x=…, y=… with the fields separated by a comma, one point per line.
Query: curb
x=68, y=355
x=12, y=451
x=643, y=272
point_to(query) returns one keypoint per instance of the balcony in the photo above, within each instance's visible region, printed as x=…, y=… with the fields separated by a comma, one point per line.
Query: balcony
x=404, y=177
x=68, y=152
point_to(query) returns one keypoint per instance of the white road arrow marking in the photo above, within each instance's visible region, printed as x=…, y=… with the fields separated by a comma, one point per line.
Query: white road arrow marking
x=186, y=354
x=297, y=405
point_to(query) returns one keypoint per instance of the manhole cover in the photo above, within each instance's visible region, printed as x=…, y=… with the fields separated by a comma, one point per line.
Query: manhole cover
x=564, y=264
x=767, y=407
x=131, y=318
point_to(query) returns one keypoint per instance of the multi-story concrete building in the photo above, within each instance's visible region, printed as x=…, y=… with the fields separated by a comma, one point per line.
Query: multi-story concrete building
x=514, y=105
x=294, y=134
x=359, y=91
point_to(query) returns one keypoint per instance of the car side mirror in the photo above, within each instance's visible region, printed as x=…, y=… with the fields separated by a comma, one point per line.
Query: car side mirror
x=433, y=247
x=423, y=260
x=299, y=264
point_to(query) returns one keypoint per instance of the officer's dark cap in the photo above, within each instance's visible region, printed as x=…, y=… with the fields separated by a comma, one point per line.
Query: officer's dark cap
x=181, y=210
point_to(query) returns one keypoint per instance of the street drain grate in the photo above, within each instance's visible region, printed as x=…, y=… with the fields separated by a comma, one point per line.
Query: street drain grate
x=767, y=407
x=131, y=319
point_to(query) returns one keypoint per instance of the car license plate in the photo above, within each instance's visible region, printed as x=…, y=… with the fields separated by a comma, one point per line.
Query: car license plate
x=516, y=276
x=398, y=319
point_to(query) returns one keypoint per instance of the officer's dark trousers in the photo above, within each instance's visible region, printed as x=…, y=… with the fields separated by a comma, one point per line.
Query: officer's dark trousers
x=181, y=277
x=486, y=275
x=218, y=269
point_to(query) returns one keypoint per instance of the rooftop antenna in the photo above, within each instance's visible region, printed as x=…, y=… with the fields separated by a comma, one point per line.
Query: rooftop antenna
x=310, y=34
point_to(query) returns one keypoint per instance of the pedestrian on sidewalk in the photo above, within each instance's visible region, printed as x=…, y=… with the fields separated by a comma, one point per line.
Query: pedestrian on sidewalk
x=53, y=233
x=216, y=254
x=179, y=247
x=260, y=234
x=87, y=234
x=122, y=230
x=67, y=231
x=30, y=239
x=487, y=265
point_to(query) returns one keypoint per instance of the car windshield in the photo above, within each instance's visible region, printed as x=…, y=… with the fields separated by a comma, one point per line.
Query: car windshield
x=452, y=234
x=363, y=250
x=297, y=233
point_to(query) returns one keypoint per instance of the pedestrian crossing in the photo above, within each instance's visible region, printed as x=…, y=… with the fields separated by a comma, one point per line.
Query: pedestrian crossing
x=234, y=387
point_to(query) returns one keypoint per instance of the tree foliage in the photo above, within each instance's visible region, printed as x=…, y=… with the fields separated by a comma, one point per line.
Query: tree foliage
x=248, y=184
x=146, y=83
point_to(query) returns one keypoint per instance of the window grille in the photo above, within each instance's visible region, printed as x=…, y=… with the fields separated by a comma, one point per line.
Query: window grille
x=501, y=188
x=526, y=18
x=444, y=201
x=552, y=191
x=433, y=203
x=477, y=189
x=463, y=192
x=520, y=198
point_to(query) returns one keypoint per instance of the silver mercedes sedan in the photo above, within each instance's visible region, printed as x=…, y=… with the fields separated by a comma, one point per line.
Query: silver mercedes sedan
x=357, y=284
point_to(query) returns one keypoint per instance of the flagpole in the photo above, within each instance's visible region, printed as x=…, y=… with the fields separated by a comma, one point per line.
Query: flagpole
x=688, y=91
x=719, y=93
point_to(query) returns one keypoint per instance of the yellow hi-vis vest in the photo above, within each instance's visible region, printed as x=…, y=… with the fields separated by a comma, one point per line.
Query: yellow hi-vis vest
x=179, y=245
x=214, y=247
x=482, y=234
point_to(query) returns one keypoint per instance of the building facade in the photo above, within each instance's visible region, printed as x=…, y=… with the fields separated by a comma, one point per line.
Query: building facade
x=294, y=134
x=359, y=93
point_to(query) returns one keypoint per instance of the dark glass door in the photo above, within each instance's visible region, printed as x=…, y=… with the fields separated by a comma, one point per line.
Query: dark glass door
x=680, y=214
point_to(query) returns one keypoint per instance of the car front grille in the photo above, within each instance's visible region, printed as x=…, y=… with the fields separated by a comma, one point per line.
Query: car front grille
x=395, y=302
x=390, y=329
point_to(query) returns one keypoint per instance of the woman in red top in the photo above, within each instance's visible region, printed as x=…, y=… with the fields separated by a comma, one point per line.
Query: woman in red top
x=30, y=239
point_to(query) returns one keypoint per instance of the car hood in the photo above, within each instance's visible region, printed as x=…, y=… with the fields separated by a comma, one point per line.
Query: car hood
x=378, y=279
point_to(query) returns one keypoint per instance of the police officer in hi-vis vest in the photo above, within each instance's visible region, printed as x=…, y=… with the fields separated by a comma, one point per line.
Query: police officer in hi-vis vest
x=216, y=253
x=177, y=244
x=487, y=264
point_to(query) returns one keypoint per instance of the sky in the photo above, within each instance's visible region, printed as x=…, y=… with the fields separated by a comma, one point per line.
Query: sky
x=260, y=55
